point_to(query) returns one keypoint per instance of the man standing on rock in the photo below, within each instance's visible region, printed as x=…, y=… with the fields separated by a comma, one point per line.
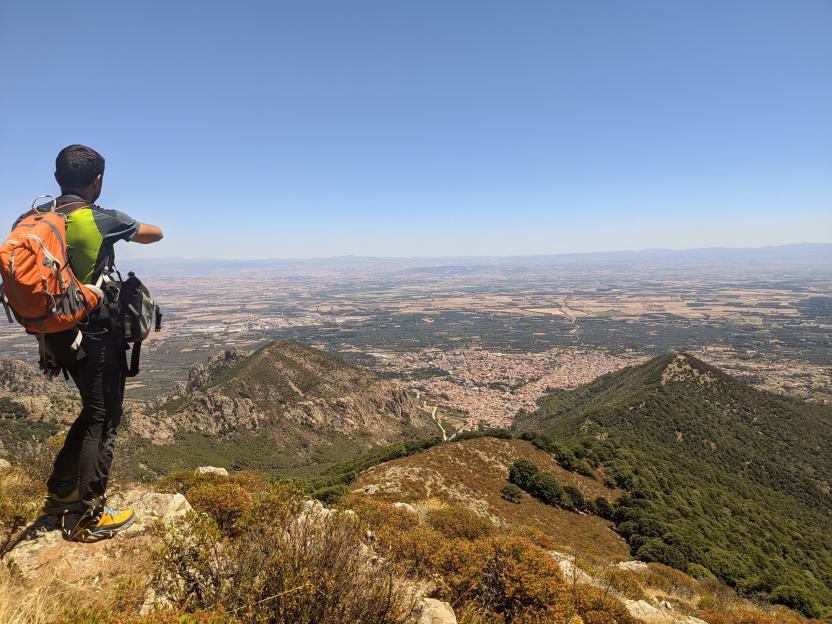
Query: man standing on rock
x=79, y=478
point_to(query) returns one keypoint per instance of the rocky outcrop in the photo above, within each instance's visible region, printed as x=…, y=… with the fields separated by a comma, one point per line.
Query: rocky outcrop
x=660, y=612
x=299, y=392
x=43, y=399
x=201, y=374
x=431, y=611
x=42, y=546
x=212, y=470
x=217, y=415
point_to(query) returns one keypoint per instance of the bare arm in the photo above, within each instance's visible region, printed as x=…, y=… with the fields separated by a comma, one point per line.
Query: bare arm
x=147, y=234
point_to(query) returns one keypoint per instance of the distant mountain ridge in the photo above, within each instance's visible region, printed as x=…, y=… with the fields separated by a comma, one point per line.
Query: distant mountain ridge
x=795, y=252
x=721, y=477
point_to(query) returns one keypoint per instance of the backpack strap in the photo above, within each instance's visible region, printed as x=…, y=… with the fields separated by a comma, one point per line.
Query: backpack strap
x=6, y=305
x=77, y=205
x=135, y=355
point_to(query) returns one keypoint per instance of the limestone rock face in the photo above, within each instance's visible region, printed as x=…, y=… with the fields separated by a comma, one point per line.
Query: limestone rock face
x=42, y=547
x=661, y=614
x=222, y=472
x=299, y=397
x=201, y=374
x=431, y=611
x=43, y=399
x=635, y=566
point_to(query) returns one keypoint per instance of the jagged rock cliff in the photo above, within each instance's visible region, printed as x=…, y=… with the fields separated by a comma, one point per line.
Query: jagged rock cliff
x=286, y=391
x=29, y=394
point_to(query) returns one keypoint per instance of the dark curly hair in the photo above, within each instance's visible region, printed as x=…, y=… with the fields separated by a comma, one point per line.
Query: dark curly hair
x=77, y=166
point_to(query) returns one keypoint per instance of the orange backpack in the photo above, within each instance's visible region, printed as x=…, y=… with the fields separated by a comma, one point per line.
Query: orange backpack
x=38, y=283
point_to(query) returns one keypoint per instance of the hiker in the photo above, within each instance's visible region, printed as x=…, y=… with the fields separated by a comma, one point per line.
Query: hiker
x=92, y=354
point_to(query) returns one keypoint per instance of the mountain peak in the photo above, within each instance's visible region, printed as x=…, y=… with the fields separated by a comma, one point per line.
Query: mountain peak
x=305, y=404
x=686, y=368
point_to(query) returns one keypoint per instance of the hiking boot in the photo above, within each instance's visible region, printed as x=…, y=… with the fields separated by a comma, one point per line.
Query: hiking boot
x=92, y=527
x=54, y=505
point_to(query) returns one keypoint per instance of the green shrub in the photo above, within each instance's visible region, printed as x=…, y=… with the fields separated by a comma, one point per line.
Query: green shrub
x=700, y=572
x=573, y=498
x=797, y=598
x=521, y=473
x=660, y=552
x=330, y=494
x=545, y=487
x=511, y=493
x=604, y=508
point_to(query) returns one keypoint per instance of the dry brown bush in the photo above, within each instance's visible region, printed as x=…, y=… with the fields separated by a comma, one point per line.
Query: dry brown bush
x=225, y=502
x=165, y=617
x=752, y=615
x=184, y=481
x=377, y=513
x=534, y=535
x=716, y=596
x=411, y=551
x=737, y=616
x=597, y=606
x=280, y=568
x=459, y=522
x=669, y=580
x=508, y=577
x=625, y=582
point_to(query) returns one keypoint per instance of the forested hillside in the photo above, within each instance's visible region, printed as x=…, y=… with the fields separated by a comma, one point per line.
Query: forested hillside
x=721, y=478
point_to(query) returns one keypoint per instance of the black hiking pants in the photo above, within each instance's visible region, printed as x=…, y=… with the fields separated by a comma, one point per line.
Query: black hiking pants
x=84, y=461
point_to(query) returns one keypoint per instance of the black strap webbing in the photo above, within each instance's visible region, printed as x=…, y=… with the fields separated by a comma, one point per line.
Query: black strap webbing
x=135, y=355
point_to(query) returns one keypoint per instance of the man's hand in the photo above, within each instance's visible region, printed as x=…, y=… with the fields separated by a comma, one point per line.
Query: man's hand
x=147, y=234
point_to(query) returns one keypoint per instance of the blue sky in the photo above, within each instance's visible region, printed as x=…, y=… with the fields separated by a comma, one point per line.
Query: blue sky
x=294, y=129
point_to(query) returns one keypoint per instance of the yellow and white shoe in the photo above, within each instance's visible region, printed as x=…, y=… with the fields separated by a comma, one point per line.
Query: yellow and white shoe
x=108, y=522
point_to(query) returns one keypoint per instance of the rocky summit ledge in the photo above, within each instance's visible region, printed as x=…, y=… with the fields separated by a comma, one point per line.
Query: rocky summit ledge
x=42, y=547
x=41, y=551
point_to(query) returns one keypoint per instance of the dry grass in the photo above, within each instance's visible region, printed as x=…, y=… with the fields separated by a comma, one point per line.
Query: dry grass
x=118, y=586
x=20, y=500
x=753, y=615
x=670, y=581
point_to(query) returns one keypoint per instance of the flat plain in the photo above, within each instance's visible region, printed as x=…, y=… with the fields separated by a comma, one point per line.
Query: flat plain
x=482, y=338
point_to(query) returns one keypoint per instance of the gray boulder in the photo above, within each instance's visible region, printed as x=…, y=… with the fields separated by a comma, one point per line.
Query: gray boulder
x=431, y=611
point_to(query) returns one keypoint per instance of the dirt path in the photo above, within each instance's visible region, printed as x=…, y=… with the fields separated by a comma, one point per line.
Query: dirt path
x=438, y=421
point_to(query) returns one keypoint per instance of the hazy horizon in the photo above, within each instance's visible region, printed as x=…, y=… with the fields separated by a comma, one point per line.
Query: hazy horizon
x=806, y=246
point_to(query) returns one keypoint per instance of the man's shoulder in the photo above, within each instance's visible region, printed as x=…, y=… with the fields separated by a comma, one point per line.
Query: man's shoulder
x=114, y=223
